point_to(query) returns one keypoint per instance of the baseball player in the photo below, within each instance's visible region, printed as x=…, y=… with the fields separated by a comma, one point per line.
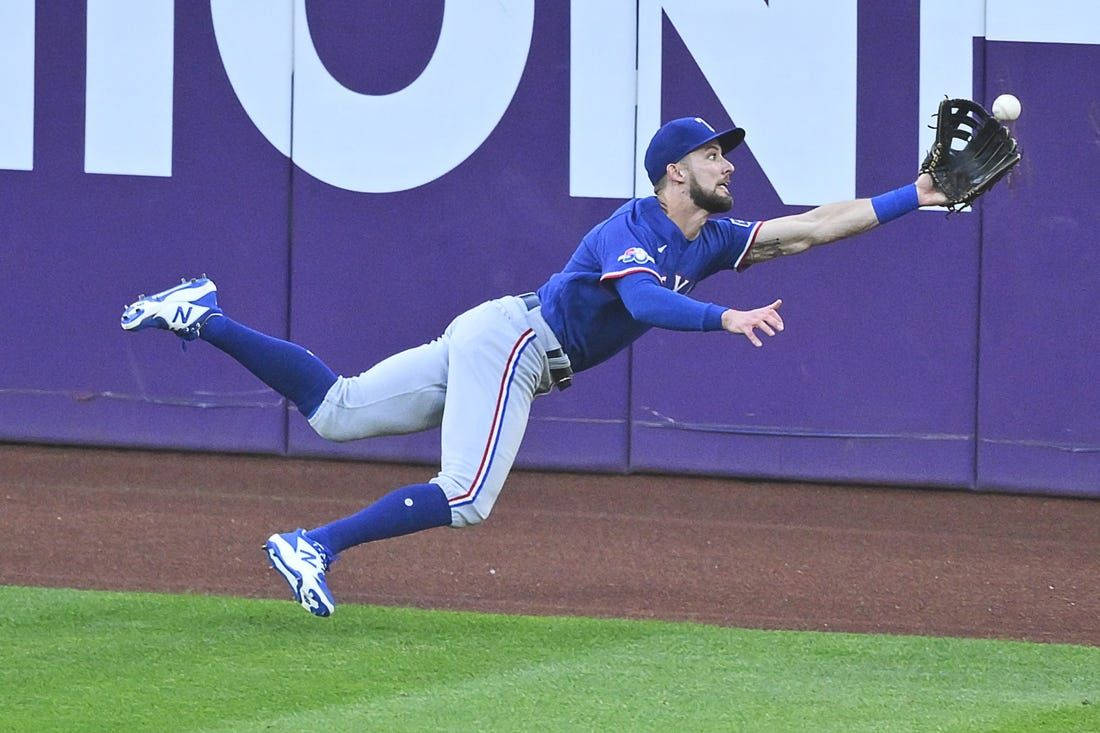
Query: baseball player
x=630, y=273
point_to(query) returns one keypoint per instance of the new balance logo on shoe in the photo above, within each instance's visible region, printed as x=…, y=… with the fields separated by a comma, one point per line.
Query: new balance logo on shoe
x=180, y=316
x=307, y=555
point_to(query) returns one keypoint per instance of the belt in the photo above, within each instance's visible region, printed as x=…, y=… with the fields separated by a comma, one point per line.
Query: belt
x=561, y=372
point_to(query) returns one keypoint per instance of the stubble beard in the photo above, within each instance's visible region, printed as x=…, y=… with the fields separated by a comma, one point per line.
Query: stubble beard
x=711, y=202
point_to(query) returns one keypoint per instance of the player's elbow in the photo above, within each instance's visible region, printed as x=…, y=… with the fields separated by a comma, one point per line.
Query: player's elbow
x=653, y=312
x=640, y=312
x=641, y=308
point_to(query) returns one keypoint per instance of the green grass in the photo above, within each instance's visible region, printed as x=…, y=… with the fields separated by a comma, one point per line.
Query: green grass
x=81, y=660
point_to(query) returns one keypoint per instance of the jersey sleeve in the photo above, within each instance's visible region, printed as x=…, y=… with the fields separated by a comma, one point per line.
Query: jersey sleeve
x=649, y=303
x=621, y=253
x=736, y=237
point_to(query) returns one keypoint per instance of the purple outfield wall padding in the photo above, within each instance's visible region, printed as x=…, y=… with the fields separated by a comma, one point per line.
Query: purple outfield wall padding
x=953, y=352
x=1039, y=397
x=873, y=378
x=76, y=247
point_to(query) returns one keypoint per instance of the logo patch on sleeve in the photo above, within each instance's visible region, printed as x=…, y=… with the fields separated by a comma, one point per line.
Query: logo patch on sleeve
x=741, y=222
x=636, y=255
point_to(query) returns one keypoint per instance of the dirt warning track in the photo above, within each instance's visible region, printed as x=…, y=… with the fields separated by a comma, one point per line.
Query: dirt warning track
x=750, y=554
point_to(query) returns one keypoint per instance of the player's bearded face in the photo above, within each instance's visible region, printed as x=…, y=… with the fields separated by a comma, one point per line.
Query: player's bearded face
x=708, y=180
x=714, y=199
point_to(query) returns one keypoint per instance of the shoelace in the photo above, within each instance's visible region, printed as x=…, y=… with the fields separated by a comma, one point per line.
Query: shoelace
x=326, y=558
x=191, y=333
x=188, y=334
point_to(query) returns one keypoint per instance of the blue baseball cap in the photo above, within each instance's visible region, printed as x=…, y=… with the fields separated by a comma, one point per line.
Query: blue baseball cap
x=679, y=137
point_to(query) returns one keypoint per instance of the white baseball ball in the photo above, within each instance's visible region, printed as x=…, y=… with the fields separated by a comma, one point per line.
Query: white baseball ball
x=1006, y=108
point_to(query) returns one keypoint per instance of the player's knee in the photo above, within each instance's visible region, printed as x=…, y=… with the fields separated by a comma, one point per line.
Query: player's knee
x=333, y=421
x=326, y=421
x=464, y=513
x=331, y=429
x=468, y=515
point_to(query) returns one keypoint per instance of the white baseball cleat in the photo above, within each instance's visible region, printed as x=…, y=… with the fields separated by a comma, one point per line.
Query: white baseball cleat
x=303, y=563
x=181, y=309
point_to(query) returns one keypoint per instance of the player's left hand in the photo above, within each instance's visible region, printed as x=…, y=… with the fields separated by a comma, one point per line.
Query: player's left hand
x=927, y=193
x=743, y=322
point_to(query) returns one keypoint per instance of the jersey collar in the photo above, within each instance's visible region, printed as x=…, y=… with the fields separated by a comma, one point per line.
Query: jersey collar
x=656, y=219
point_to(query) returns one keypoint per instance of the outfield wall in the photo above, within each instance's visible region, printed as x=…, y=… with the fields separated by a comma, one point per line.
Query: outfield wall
x=445, y=153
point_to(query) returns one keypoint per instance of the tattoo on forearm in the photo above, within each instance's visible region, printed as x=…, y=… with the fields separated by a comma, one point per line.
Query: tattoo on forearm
x=772, y=248
x=763, y=251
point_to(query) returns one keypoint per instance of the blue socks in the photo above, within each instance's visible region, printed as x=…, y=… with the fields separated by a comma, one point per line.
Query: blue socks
x=402, y=511
x=304, y=379
x=287, y=368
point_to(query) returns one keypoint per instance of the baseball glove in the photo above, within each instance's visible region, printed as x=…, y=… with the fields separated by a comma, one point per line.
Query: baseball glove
x=988, y=152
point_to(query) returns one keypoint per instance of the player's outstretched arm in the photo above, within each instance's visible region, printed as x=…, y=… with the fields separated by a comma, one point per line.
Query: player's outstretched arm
x=767, y=319
x=791, y=235
x=650, y=303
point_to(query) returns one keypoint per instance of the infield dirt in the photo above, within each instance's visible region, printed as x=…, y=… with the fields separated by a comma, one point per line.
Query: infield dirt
x=749, y=554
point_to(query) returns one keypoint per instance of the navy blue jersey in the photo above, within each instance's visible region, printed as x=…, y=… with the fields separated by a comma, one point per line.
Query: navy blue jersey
x=581, y=303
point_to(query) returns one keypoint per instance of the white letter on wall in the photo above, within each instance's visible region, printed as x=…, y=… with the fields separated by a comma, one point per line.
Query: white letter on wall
x=377, y=143
x=394, y=142
x=782, y=72
x=256, y=41
x=128, y=112
x=17, y=84
x=1057, y=21
x=602, y=93
x=947, y=31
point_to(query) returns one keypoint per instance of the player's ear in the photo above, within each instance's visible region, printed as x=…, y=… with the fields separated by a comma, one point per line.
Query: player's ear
x=673, y=172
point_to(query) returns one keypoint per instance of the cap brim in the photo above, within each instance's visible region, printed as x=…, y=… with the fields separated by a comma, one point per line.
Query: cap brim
x=730, y=139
